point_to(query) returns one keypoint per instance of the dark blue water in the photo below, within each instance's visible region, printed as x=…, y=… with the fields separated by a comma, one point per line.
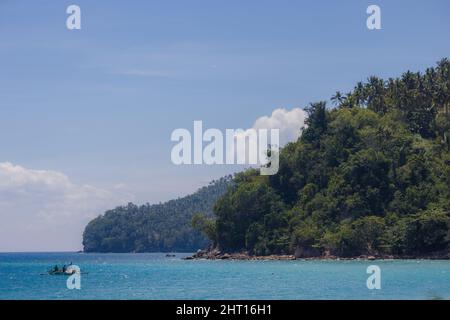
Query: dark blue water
x=155, y=276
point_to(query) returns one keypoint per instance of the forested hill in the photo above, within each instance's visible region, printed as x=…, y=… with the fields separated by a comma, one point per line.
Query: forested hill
x=370, y=176
x=154, y=228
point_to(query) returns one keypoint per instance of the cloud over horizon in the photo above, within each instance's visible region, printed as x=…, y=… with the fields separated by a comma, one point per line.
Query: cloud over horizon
x=43, y=210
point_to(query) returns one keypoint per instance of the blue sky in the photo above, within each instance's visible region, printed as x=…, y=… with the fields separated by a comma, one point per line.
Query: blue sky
x=99, y=104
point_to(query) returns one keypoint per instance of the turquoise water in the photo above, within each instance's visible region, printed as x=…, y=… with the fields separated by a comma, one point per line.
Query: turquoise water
x=154, y=276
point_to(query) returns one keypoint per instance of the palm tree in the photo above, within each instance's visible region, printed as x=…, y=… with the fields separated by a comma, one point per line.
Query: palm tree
x=359, y=93
x=337, y=98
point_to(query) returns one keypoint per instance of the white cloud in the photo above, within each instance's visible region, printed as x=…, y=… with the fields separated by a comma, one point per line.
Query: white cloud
x=288, y=122
x=44, y=210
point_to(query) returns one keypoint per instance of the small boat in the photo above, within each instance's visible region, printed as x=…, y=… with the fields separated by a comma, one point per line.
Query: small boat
x=170, y=255
x=66, y=270
x=61, y=273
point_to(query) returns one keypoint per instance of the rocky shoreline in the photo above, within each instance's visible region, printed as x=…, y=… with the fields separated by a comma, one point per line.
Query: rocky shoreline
x=216, y=254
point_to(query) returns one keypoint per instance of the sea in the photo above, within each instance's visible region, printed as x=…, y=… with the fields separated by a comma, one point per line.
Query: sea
x=157, y=276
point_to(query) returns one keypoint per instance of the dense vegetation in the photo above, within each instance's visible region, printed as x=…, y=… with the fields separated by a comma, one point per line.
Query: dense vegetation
x=154, y=228
x=368, y=177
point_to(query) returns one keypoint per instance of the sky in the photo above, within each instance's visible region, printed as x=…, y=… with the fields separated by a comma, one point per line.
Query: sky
x=86, y=115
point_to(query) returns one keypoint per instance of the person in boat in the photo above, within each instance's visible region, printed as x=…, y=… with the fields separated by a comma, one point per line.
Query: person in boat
x=55, y=268
x=64, y=268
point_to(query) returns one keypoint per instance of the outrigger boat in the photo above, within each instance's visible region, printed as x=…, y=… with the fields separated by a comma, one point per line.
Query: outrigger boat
x=64, y=271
